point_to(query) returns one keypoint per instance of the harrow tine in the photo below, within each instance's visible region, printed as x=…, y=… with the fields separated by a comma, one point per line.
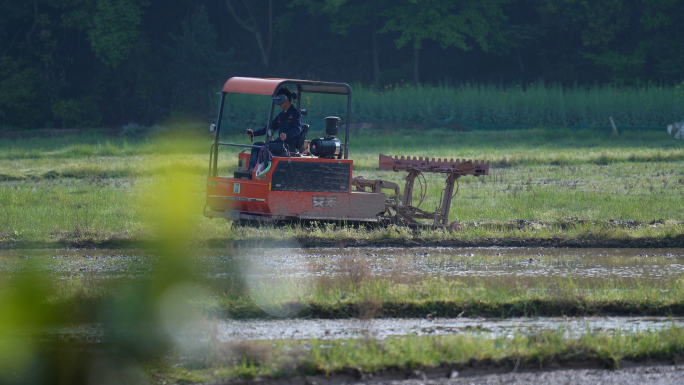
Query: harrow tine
x=432, y=165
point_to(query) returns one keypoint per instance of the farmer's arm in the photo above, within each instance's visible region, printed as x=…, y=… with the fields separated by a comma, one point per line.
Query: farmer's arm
x=291, y=125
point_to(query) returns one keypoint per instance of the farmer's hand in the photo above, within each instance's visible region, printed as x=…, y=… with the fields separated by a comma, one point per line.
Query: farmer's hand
x=250, y=133
x=283, y=136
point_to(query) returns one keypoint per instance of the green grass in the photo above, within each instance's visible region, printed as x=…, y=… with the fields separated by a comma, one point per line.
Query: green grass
x=225, y=361
x=103, y=190
x=560, y=185
x=82, y=286
x=381, y=298
x=353, y=292
x=128, y=295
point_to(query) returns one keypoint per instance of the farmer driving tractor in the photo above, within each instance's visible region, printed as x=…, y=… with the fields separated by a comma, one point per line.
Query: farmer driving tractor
x=317, y=185
x=289, y=126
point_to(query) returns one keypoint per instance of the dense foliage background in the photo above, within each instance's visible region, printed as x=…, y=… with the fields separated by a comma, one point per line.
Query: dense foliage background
x=92, y=63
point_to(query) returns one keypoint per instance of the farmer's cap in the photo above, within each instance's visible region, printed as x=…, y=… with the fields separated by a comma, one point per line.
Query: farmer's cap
x=282, y=94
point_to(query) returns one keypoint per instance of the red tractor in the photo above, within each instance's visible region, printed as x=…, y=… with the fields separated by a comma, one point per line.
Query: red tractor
x=318, y=185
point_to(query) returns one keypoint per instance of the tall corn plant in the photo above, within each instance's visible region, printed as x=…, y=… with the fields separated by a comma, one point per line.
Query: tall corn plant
x=531, y=105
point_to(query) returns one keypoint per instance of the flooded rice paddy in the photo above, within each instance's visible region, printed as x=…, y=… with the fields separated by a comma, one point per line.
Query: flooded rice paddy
x=380, y=329
x=644, y=264
x=480, y=263
x=571, y=327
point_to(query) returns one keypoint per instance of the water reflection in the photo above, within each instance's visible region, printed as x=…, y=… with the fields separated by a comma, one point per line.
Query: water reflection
x=231, y=330
x=526, y=263
x=462, y=263
x=94, y=334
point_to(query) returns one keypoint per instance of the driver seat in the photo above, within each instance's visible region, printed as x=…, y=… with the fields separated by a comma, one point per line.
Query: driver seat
x=302, y=138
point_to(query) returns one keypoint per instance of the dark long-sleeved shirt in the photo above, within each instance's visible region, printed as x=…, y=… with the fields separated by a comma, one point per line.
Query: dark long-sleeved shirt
x=287, y=122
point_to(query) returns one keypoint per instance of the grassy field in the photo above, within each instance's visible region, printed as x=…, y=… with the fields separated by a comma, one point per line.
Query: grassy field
x=563, y=184
x=359, y=357
x=354, y=295
x=568, y=187
x=144, y=301
x=239, y=284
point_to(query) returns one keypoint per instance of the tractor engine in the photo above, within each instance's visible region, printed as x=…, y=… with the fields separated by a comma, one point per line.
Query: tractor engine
x=325, y=147
x=328, y=147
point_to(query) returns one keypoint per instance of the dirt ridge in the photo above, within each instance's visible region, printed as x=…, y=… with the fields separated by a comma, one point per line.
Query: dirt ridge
x=315, y=242
x=448, y=373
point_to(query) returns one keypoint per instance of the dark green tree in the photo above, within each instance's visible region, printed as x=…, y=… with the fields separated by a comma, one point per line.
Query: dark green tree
x=111, y=26
x=451, y=24
x=197, y=65
x=247, y=20
x=347, y=16
x=633, y=40
x=29, y=65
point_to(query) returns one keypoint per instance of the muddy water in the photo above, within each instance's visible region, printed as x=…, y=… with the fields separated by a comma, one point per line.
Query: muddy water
x=384, y=328
x=639, y=265
x=231, y=330
x=65, y=264
x=477, y=263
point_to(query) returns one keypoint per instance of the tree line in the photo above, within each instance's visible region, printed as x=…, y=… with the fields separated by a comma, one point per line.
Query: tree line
x=93, y=63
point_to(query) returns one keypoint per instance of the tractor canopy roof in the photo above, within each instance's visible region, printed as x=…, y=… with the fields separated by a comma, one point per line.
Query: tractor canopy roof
x=262, y=86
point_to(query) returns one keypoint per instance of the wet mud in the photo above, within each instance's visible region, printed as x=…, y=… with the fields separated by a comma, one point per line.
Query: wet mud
x=119, y=241
x=480, y=264
x=571, y=327
x=378, y=329
x=633, y=373
x=590, y=264
x=644, y=242
x=476, y=263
